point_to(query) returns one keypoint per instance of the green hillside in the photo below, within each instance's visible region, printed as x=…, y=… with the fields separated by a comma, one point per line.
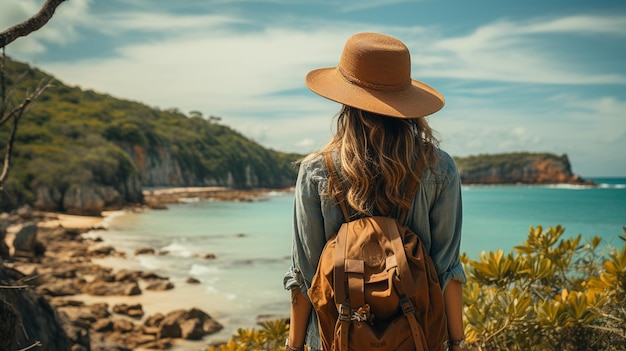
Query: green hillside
x=72, y=137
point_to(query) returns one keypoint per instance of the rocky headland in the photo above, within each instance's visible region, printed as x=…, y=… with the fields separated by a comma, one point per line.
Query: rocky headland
x=518, y=168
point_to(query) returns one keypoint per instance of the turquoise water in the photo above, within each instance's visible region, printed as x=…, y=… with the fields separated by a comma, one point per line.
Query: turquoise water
x=252, y=242
x=500, y=217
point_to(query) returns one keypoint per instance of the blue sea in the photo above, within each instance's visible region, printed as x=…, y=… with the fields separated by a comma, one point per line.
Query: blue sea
x=251, y=241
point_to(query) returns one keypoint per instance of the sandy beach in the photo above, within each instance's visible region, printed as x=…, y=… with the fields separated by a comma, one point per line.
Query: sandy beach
x=73, y=221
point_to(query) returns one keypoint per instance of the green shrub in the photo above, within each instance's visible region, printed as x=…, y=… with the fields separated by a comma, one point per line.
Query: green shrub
x=271, y=337
x=552, y=293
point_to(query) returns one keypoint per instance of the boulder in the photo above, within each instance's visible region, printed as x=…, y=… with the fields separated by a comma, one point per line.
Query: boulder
x=172, y=325
x=83, y=200
x=26, y=239
x=101, y=251
x=102, y=325
x=100, y=310
x=26, y=317
x=160, y=285
x=151, y=276
x=100, y=288
x=145, y=251
x=25, y=212
x=154, y=320
x=134, y=311
x=81, y=316
x=192, y=329
x=124, y=275
x=61, y=287
x=160, y=344
x=123, y=326
x=48, y=199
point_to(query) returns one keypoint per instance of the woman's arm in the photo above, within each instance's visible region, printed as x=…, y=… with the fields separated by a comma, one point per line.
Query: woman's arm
x=446, y=218
x=453, y=299
x=300, y=310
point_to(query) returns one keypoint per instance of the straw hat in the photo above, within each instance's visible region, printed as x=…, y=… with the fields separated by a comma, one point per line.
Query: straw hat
x=374, y=74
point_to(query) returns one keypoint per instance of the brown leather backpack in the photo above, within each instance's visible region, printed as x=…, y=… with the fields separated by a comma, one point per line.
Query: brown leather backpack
x=376, y=287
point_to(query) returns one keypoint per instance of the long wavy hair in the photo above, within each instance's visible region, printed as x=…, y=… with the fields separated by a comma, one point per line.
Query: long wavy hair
x=377, y=155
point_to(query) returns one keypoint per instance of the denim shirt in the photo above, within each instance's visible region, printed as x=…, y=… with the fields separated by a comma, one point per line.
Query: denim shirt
x=435, y=215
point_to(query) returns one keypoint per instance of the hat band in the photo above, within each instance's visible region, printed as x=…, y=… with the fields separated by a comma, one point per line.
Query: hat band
x=354, y=80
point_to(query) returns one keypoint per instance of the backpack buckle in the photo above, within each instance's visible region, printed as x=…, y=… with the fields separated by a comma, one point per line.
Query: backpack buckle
x=362, y=314
x=344, y=313
x=407, y=306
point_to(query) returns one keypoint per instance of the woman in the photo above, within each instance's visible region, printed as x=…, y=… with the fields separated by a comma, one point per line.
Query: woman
x=381, y=141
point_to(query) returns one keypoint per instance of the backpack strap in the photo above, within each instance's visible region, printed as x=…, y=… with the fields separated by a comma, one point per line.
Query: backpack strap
x=405, y=285
x=341, y=280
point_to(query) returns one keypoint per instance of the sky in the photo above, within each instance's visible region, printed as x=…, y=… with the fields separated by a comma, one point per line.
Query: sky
x=532, y=75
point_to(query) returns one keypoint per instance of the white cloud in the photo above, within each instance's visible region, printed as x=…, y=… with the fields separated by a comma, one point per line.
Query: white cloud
x=592, y=131
x=164, y=24
x=583, y=24
x=16, y=11
x=226, y=73
x=357, y=5
x=509, y=51
x=57, y=31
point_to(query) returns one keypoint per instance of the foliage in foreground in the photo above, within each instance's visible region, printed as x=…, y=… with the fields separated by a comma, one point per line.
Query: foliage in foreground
x=271, y=336
x=551, y=293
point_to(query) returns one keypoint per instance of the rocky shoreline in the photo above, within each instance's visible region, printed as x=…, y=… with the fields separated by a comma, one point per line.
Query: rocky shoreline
x=48, y=277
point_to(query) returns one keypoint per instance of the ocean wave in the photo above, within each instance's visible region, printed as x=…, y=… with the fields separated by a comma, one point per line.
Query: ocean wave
x=571, y=186
x=151, y=262
x=178, y=249
x=188, y=200
x=279, y=192
x=612, y=186
x=201, y=270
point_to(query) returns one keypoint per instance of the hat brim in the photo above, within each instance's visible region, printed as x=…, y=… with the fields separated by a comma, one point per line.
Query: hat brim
x=416, y=100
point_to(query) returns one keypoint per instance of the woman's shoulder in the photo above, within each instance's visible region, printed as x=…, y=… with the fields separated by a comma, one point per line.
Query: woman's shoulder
x=445, y=167
x=445, y=160
x=313, y=166
x=312, y=161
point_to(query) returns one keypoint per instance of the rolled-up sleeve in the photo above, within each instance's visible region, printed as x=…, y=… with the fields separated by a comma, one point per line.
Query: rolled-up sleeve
x=446, y=217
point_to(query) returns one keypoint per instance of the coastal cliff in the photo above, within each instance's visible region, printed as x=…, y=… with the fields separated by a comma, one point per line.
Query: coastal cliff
x=82, y=152
x=518, y=168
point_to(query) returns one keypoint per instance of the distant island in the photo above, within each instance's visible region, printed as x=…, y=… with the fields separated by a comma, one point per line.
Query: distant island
x=81, y=152
x=518, y=168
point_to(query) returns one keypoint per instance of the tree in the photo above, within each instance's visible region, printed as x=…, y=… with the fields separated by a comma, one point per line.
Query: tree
x=13, y=114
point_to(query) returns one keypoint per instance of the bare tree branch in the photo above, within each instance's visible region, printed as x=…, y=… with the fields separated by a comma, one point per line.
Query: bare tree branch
x=14, y=286
x=3, y=84
x=16, y=114
x=30, y=25
x=36, y=344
